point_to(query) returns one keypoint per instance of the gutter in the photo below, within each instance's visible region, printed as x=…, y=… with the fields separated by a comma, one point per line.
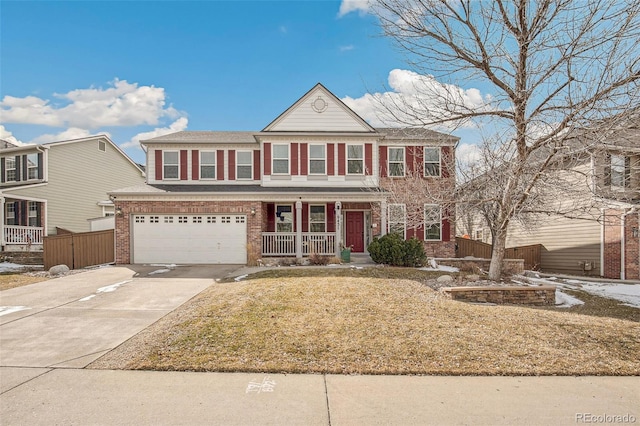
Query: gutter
x=623, y=242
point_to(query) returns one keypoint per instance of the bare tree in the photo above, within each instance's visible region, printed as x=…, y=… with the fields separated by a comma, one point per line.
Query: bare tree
x=551, y=67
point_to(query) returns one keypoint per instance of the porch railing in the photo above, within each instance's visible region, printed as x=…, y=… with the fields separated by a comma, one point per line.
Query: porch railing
x=284, y=243
x=14, y=234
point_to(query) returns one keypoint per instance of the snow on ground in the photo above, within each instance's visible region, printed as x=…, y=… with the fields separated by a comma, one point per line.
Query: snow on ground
x=628, y=294
x=159, y=271
x=241, y=277
x=11, y=267
x=564, y=300
x=6, y=310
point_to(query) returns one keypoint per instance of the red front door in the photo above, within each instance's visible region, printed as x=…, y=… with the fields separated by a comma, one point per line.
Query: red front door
x=354, y=232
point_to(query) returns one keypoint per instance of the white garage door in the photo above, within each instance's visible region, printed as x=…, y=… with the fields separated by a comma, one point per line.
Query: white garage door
x=189, y=239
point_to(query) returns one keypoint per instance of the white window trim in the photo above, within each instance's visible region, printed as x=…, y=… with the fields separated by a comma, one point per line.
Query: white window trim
x=275, y=212
x=404, y=161
x=424, y=162
x=324, y=222
x=214, y=164
x=354, y=159
x=164, y=164
x=390, y=220
x=616, y=186
x=32, y=166
x=309, y=159
x=428, y=226
x=32, y=213
x=7, y=169
x=244, y=165
x=274, y=159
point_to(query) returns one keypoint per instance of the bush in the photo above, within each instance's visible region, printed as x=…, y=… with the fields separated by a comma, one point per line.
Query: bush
x=392, y=250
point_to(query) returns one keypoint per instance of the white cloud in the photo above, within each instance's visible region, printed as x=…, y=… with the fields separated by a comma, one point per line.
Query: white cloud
x=468, y=153
x=68, y=134
x=8, y=136
x=347, y=48
x=348, y=6
x=282, y=29
x=177, y=126
x=121, y=104
x=415, y=99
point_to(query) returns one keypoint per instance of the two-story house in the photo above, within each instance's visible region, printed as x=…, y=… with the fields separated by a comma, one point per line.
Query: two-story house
x=309, y=182
x=59, y=185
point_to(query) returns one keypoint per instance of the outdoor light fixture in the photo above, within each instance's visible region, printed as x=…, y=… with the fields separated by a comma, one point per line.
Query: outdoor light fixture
x=118, y=211
x=634, y=232
x=253, y=211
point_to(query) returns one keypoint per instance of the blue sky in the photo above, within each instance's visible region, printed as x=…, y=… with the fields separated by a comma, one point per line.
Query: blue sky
x=138, y=69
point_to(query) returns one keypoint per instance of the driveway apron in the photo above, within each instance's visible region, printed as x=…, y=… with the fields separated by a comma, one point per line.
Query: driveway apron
x=71, y=321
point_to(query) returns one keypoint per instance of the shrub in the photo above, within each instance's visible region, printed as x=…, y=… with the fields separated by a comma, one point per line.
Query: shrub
x=318, y=259
x=391, y=249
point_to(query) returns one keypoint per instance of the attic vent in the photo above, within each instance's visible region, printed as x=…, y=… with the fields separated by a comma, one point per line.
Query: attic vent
x=319, y=105
x=102, y=146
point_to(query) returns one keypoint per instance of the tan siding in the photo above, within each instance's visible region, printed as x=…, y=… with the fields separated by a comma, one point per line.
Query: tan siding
x=80, y=175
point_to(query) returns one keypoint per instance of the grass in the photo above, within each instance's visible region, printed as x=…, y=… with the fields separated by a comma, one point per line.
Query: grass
x=8, y=281
x=380, y=325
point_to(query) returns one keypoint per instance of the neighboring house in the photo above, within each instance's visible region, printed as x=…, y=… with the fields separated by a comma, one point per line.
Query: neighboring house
x=309, y=182
x=592, y=244
x=60, y=185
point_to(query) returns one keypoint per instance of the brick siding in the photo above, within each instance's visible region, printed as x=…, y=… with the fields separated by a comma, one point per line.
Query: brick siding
x=612, y=245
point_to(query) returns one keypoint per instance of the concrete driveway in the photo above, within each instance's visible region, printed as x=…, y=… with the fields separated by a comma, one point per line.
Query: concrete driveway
x=71, y=321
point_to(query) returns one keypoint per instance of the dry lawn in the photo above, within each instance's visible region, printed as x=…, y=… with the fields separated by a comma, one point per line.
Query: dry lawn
x=18, y=280
x=374, y=326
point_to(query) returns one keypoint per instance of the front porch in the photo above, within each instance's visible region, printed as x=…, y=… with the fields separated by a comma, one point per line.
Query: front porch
x=22, y=224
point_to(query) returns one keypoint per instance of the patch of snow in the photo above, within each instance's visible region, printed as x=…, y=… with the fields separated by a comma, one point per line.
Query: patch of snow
x=159, y=271
x=629, y=294
x=441, y=268
x=10, y=267
x=355, y=267
x=112, y=287
x=564, y=300
x=6, y=310
x=169, y=266
x=241, y=277
x=85, y=299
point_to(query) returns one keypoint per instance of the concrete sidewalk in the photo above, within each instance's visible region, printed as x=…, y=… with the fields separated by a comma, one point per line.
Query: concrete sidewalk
x=38, y=396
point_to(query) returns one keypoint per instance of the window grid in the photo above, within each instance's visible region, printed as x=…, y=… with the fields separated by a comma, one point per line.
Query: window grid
x=397, y=219
x=183, y=219
x=139, y=219
x=317, y=160
x=396, y=162
x=355, y=159
x=168, y=219
x=280, y=160
x=196, y=219
x=211, y=219
x=432, y=162
x=32, y=166
x=244, y=165
x=225, y=219
x=207, y=164
x=432, y=222
x=10, y=169
x=171, y=165
x=317, y=218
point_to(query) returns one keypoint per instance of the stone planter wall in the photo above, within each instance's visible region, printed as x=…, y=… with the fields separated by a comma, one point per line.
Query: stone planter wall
x=516, y=295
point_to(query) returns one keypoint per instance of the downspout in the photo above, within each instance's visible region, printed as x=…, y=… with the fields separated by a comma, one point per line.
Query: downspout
x=2, y=218
x=623, y=242
x=603, y=219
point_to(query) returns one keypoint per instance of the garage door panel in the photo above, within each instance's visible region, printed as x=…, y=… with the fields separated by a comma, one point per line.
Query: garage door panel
x=189, y=239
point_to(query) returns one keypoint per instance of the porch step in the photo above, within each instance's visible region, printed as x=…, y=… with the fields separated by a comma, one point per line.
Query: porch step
x=23, y=257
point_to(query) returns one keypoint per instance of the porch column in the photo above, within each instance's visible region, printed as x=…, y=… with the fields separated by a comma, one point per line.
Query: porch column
x=2, y=240
x=338, y=219
x=298, y=229
x=383, y=217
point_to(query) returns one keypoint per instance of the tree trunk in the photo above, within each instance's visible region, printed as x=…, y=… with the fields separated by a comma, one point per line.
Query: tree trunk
x=497, y=255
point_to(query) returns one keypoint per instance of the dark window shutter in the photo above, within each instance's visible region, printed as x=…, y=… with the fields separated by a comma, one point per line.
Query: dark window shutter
x=220, y=165
x=383, y=161
x=40, y=167
x=158, y=164
x=607, y=170
x=331, y=217
x=342, y=160
x=183, y=165
x=195, y=164
x=410, y=233
x=256, y=164
x=39, y=205
x=368, y=159
x=2, y=169
x=305, y=217
x=25, y=168
x=267, y=158
x=294, y=159
x=446, y=161
x=304, y=159
x=627, y=172
x=18, y=168
x=232, y=164
x=271, y=217
x=410, y=159
x=331, y=168
x=446, y=230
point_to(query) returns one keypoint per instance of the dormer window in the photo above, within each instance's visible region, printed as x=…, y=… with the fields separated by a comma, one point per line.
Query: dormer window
x=171, y=165
x=620, y=172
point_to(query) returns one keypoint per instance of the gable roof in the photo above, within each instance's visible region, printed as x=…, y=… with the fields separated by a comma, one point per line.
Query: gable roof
x=205, y=137
x=319, y=110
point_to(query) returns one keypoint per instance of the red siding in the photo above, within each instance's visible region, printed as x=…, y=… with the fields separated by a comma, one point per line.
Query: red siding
x=304, y=159
x=232, y=164
x=418, y=159
x=341, y=159
x=446, y=230
x=305, y=217
x=445, y=160
x=256, y=164
x=220, y=165
x=331, y=217
x=158, y=164
x=408, y=153
x=267, y=158
x=383, y=161
x=368, y=159
x=294, y=159
x=271, y=217
x=183, y=165
x=195, y=164
x=331, y=169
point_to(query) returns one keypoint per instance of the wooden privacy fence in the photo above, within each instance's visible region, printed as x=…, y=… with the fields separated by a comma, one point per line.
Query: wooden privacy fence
x=532, y=255
x=79, y=250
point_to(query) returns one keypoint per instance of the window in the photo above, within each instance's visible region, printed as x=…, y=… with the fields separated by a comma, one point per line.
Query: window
x=397, y=219
x=431, y=161
x=432, y=222
x=207, y=164
x=10, y=169
x=281, y=159
x=33, y=214
x=32, y=166
x=284, y=218
x=317, y=160
x=478, y=235
x=620, y=171
x=317, y=219
x=171, y=165
x=396, y=161
x=11, y=213
x=244, y=165
x=102, y=146
x=355, y=159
